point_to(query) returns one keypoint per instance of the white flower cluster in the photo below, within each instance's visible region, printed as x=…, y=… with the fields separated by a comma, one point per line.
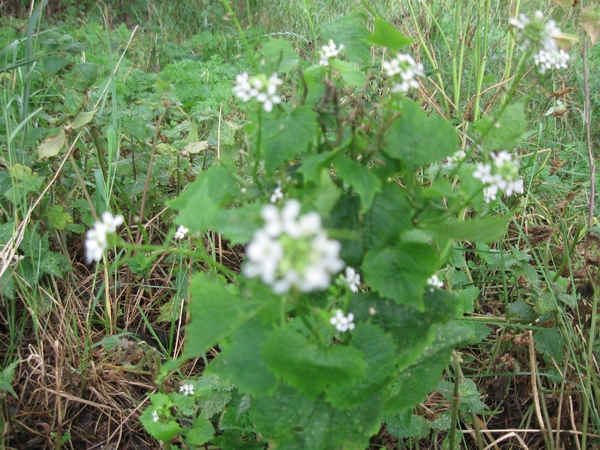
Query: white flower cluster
x=352, y=279
x=539, y=37
x=292, y=251
x=259, y=87
x=96, y=240
x=186, y=389
x=277, y=194
x=407, y=69
x=155, y=417
x=329, y=51
x=342, y=323
x=181, y=232
x=505, y=178
x=434, y=282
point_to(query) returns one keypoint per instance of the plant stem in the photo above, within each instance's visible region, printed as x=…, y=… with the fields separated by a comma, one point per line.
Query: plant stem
x=455, y=400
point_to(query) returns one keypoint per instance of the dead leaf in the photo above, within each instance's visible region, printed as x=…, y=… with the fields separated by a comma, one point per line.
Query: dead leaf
x=590, y=21
x=52, y=145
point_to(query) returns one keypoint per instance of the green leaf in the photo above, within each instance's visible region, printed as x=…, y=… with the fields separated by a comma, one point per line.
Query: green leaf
x=349, y=31
x=199, y=203
x=238, y=224
x=590, y=21
x=418, y=139
x=287, y=419
x=58, y=218
x=201, y=432
x=83, y=118
x=288, y=136
x=215, y=313
x=386, y=35
x=550, y=343
x=282, y=51
x=364, y=182
x=52, y=64
x=52, y=145
x=488, y=229
x=85, y=73
x=389, y=216
x=351, y=74
x=165, y=428
x=308, y=366
x=380, y=355
x=7, y=378
x=401, y=272
x=504, y=130
x=344, y=216
x=241, y=360
x=406, y=425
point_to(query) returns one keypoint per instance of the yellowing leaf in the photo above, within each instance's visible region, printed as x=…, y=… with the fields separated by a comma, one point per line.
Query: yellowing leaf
x=565, y=3
x=83, y=118
x=590, y=21
x=196, y=147
x=566, y=40
x=52, y=145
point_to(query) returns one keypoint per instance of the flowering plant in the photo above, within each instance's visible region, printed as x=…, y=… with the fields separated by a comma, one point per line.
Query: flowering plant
x=339, y=317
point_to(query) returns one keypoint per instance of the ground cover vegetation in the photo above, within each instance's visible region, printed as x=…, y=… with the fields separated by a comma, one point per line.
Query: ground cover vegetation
x=304, y=225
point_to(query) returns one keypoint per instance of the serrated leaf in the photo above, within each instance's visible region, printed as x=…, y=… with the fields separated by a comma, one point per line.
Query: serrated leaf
x=401, y=272
x=590, y=21
x=52, y=145
x=389, y=216
x=351, y=74
x=386, y=35
x=52, y=64
x=406, y=425
x=308, y=366
x=59, y=219
x=282, y=51
x=364, y=182
x=380, y=355
x=288, y=136
x=344, y=216
x=418, y=139
x=207, y=194
x=7, y=378
x=215, y=312
x=349, y=31
x=241, y=360
x=86, y=73
x=487, y=230
x=201, y=432
x=504, y=130
x=550, y=343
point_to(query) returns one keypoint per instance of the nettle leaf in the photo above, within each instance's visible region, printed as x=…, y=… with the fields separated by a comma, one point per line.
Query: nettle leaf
x=550, y=343
x=241, y=360
x=418, y=139
x=199, y=203
x=386, y=35
x=52, y=64
x=487, y=230
x=215, y=313
x=288, y=136
x=401, y=272
x=380, y=355
x=308, y=366
x=389, y=216
x=406, y=425
x=351, y=74
x=282, y=51
x=349, y=31
x=504, y=130
x=364, y=182
x=287, y=419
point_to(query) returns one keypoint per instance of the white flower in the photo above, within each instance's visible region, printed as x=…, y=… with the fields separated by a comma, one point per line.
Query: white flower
x=155, y=417
x=342, y=323
x=186, y=389
x=329, y=51
x=96, y=240
x=277, y=194
x=352, y=279
x=259, y=87
x=292, y=251
x=483, y=172
x=181, y=232
x=407, y=69
x=556, y=59
x=504, y=180
x=435, y=282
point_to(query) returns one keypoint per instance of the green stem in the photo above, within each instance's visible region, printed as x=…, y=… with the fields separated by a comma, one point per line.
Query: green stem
x=311, y=25
x=455, y=400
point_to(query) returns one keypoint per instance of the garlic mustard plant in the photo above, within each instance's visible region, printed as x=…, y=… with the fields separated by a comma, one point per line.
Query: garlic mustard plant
x=292, y=251
x=329, y=51
x=538, y=36
x=403, y=66
x=96, y=241
x=181, y=232
x=259, y=87
x=352, y=279
x=342, y=323
x=505, y=179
